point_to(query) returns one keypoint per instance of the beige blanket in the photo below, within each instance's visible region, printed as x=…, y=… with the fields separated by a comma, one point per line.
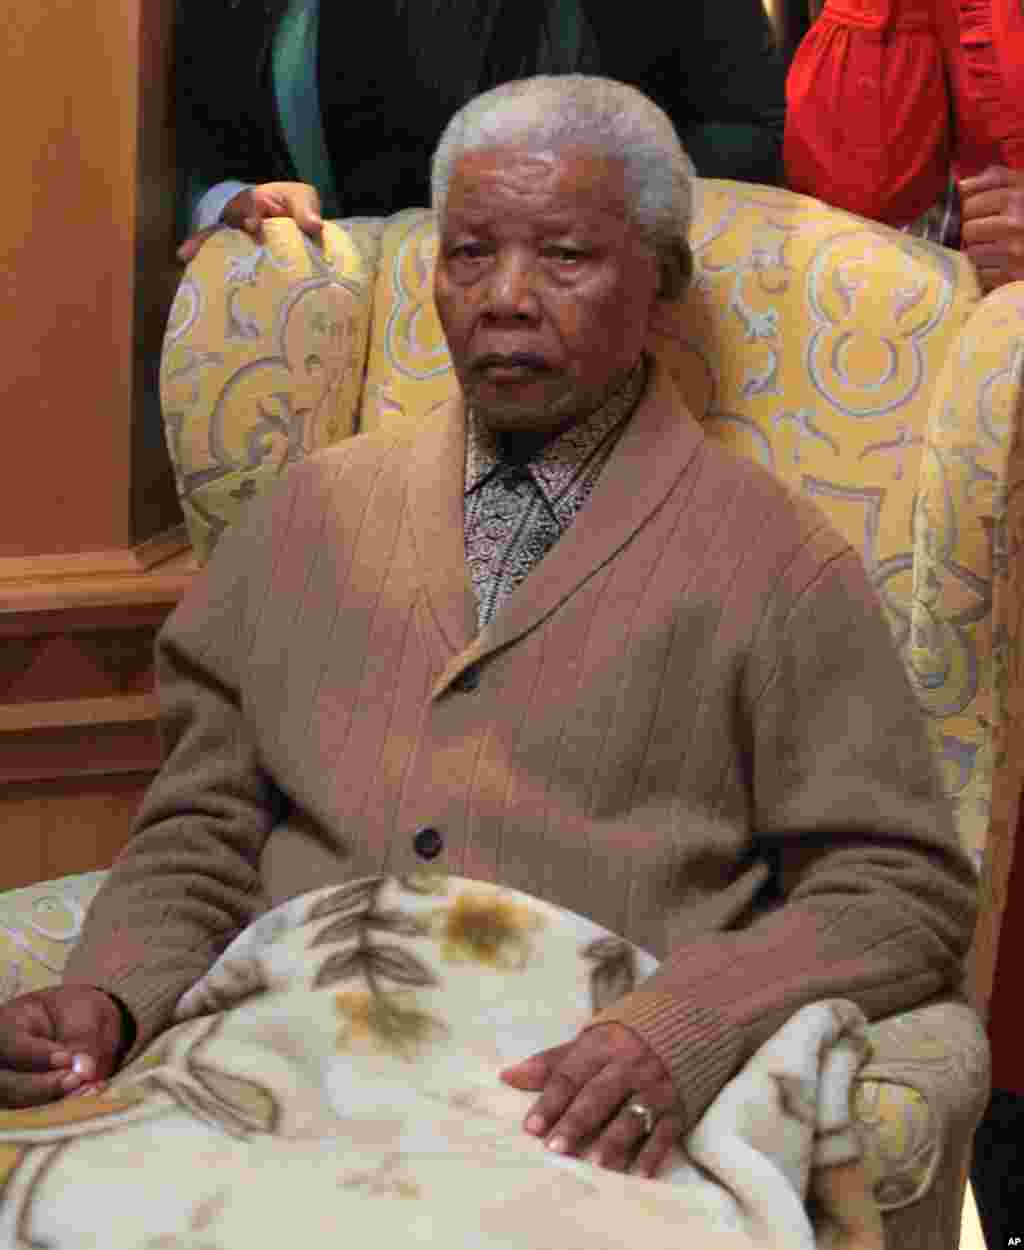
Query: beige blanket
x=332, y=1082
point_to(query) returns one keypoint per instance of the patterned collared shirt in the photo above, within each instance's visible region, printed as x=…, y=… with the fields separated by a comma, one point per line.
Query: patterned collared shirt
x=516, y=512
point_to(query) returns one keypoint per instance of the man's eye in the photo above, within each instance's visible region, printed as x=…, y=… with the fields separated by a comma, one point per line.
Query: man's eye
x=467, y=251
x=566, y=255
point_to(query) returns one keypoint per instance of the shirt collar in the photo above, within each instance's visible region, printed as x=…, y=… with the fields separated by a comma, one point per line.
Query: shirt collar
x=558, y=463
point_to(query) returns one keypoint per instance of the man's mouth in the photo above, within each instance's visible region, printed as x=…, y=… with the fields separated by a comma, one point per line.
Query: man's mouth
x=498, y=366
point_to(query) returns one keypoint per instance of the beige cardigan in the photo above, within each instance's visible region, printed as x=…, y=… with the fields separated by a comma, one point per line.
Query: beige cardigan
x=694, y=689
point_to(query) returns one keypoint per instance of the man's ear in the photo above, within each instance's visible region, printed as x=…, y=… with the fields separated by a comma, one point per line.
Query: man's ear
x=675, y=269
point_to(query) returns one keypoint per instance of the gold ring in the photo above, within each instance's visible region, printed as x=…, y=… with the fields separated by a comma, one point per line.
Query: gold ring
x=645, y=1113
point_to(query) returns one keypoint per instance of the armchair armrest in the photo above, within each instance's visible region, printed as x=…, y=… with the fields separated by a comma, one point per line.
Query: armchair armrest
x=919, y=1100
x=964, y=647
x=263, y=361
x=39, y=926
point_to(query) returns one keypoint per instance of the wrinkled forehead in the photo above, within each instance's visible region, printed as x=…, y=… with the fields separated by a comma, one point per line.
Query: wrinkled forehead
x=578, y=181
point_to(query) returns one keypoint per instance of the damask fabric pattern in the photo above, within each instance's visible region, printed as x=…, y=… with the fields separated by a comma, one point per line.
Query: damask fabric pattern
x=343, y=1052
x=516, y=513
x=39, y=925
x=256, y=375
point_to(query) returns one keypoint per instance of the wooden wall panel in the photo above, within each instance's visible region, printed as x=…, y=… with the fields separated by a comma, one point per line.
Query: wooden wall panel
x=69, y=97
x=74, y=825
x=70, y=94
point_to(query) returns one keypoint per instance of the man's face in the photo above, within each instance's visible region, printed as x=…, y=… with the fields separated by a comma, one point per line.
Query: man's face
x=544, y=286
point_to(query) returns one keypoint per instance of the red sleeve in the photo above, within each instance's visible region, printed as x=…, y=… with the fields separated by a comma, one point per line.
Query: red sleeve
x=1008, y=36
x=979, y=88
x=867, y=110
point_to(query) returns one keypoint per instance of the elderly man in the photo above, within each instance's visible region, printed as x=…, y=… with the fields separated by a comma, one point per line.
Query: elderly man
x=559, y=640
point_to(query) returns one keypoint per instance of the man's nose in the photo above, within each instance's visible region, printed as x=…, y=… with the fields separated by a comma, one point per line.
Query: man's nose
x=511, y=292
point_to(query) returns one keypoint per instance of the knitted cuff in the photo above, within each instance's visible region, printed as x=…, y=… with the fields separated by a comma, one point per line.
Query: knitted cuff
x=129, y=1029
x=145, y=994
x=698, y=1046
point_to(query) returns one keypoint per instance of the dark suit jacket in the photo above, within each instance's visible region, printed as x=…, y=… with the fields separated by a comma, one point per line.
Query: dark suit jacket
x=709, y=65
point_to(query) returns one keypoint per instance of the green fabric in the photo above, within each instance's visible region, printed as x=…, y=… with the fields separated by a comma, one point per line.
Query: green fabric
x=298, y=99
x=578, y=46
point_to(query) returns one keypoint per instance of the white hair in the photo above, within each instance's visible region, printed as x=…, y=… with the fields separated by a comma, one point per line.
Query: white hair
x=611, y=119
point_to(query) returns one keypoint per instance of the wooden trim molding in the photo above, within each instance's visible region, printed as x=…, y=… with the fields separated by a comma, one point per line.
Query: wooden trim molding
x=63, y=751
x=125, y=560
x=154, y=573
x=82, y=713
x=76, y=668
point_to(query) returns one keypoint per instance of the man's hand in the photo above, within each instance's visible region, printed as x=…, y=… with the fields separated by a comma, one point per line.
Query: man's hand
x=55, y=1041
x=250, y=208
x=588, y=1085
x=993, y=224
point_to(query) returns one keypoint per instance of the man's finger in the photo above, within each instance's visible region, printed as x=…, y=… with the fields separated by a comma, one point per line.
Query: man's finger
x=562, y=1088
x=532, y=1073
x=19, y=1089
x=26, y=1052
x=88, y=1090
x=594, y=1105
x=655, y=1150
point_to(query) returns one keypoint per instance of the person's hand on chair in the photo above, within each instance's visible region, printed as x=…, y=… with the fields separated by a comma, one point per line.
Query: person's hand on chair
x=56, y=1042
x=250, y=208
x=992, y=205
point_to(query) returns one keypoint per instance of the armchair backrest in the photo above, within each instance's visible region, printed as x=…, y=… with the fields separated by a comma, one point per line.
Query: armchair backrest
x=860, y=365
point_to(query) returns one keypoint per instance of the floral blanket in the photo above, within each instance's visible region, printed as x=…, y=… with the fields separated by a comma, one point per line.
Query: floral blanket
x=332, y=1081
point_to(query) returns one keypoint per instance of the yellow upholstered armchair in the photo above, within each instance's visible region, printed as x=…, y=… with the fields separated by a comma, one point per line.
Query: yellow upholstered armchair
x=861, y=366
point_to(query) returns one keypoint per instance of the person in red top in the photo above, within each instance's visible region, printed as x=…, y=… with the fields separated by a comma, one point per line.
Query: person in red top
x=891, y=104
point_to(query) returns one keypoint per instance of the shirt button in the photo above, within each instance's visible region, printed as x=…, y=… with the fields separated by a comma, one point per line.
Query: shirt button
x=467, y=680
x=428, y=843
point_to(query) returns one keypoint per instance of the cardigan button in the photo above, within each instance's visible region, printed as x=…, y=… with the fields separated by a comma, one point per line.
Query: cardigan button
x=428, y=843
x=467, y=680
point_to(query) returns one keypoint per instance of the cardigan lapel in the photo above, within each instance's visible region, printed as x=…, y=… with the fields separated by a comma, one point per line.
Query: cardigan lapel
x=436, y=485
x=655, y=448
x=645, y=464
